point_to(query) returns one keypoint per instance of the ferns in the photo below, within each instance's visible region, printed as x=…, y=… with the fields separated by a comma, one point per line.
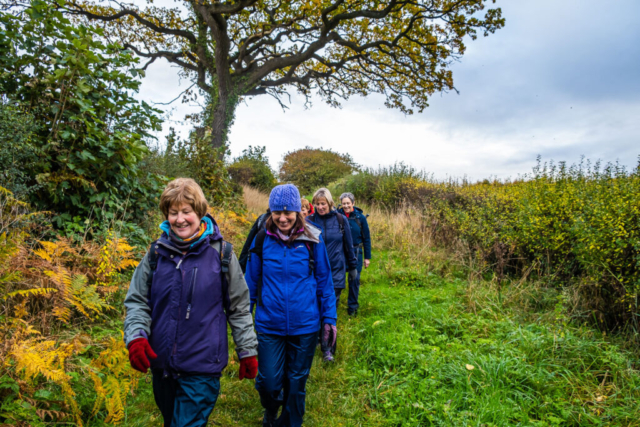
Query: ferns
x=47, y=290
x=33, y=358
x=119, y=380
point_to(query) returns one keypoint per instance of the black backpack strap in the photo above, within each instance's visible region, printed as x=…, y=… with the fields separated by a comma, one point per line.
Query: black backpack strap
x=225, y=254
x=257, y=250
x=358, y=222
x=152, y=257
x=226, y=251
x=340, y=222
x=312, y=261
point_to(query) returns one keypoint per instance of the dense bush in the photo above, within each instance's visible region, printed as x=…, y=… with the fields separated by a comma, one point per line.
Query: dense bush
x=310, y=168
x=252, y=169
x=80, y=132
x=577, y=227
x=382, y=186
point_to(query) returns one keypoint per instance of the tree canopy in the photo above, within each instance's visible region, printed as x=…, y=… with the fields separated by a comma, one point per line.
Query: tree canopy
x=337, y=48
x=310, y=168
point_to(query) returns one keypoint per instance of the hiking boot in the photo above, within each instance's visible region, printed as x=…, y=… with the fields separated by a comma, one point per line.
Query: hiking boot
x=353, y=313
x=270, y=418
x=328, y=357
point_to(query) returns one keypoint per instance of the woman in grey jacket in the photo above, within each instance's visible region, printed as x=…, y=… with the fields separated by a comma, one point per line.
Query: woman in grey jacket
x=181, y=297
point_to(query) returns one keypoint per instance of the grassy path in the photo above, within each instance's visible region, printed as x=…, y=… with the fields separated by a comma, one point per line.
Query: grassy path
x=431, y=351
x=332, y=400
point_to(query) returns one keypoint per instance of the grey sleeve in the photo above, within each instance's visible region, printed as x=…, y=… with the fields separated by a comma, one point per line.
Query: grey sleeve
x=238, y=314
x=138, y=318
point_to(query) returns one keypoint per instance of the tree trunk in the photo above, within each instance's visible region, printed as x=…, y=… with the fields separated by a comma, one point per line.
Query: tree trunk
x=221, y=120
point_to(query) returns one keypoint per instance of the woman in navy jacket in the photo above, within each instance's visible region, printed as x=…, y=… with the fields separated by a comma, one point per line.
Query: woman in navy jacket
x=289, y=279
x=361, y=245
x=337, y=236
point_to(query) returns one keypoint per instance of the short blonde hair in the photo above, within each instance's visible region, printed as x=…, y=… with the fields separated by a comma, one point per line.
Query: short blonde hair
x=323, y=193
x=305, y=203
x=183, y=190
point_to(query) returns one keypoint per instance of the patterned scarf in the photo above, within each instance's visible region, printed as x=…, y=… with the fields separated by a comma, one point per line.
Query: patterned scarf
x=184, y=244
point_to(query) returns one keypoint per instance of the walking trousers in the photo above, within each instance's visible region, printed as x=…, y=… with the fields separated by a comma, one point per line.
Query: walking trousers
x=283, y=369
x=354, y=284
x=185, y=401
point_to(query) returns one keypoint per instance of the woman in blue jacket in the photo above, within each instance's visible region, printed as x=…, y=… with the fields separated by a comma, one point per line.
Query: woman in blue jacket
x=289, y=279
x=361, y=245
x=337, y=237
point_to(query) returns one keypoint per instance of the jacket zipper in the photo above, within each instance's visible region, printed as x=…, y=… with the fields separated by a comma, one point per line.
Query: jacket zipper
x=190, y=296
x=175, y=338
x=286, y=286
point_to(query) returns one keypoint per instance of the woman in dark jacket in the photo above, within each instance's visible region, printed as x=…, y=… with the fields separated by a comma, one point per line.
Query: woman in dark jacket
x=361, y=243
x=289, y=279
x=181, y=297
x=337, y=237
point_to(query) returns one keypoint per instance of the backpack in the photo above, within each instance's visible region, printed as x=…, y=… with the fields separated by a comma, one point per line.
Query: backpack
x=257, y=249
x=225, y=257
x=261, y=220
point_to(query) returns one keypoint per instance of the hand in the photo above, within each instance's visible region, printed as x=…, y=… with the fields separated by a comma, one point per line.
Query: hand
x=248, y=368
x=329, y=334
x=366, y=263
x=353, y=273
x=139, y=353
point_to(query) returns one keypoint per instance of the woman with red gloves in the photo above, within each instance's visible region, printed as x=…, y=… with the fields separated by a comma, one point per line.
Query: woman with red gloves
x=183, y=293
x=289, y=278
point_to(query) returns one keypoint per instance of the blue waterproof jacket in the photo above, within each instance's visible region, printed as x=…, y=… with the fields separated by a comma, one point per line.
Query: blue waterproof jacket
x=339, y=245
x=294, y=302
x=359, y=232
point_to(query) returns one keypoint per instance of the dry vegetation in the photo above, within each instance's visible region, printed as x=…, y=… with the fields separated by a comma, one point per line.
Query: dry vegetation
x=257, y=202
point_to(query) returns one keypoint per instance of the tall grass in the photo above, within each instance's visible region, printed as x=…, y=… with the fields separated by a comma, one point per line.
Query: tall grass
x=256, y=201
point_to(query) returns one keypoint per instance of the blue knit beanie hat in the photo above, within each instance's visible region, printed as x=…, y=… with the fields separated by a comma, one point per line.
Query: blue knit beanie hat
x=285, y=198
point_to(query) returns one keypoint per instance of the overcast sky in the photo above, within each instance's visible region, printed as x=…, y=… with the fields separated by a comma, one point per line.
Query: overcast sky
x=560, y=80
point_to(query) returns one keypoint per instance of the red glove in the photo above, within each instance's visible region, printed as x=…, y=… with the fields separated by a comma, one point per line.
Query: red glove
x=139, y=353
x=248, y=368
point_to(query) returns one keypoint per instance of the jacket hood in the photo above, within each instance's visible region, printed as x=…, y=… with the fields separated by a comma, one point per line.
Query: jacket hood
x=212, y=230
x=315, y=234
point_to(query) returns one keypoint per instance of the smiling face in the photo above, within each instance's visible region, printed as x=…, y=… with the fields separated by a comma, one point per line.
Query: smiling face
x=322, y=206
x=183, y=220
x=284, y=220
x=347, y=205
x=305, y=211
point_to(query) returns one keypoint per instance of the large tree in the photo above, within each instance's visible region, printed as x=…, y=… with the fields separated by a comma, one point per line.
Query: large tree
x=234, y=49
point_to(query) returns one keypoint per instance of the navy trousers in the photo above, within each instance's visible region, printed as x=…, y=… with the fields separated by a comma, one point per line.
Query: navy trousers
x=186, y=401
x=354, y=284
x=283, y=369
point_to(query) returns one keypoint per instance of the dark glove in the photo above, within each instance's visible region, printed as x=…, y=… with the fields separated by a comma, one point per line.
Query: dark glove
x=139, y=353
x=353, y=273
x=329, y=335
x=248, y=368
